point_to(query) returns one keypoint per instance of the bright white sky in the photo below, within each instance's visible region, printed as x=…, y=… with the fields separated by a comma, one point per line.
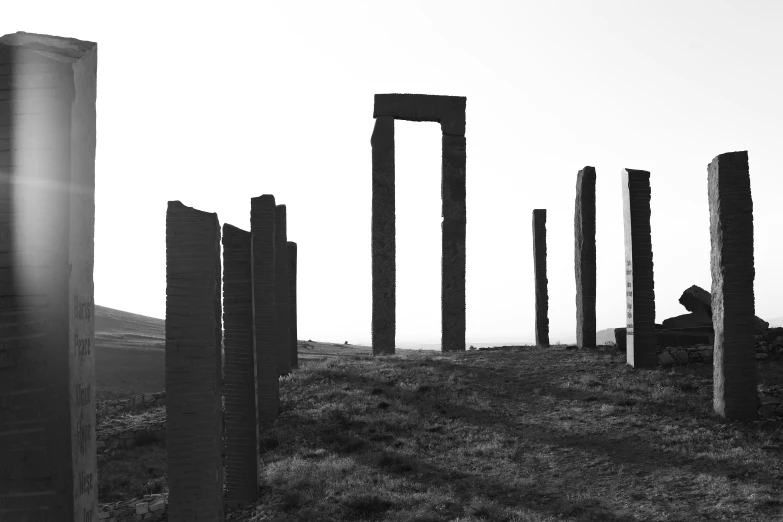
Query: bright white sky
x=214, y=105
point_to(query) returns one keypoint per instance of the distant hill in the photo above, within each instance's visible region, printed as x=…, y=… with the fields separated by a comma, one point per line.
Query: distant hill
x=129, y=353
x=110, y=321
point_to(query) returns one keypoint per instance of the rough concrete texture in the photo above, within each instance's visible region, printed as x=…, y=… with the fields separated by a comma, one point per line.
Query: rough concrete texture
x=539, y=266
x=620, y=339
x=194, y=418
x=281, y=293
x=262, y=230
x=691, y=320
x=383, y=238
x=239, y=370
x=453, y=251
x=640, y=288
x=696, y=299
x=699, y=301
x=733, y=272
x=584, y=257
x=292, y=302
x=449, y=111
x=48, y=458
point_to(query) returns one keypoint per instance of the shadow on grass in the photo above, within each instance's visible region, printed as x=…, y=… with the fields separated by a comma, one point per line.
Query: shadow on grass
x=370, y=443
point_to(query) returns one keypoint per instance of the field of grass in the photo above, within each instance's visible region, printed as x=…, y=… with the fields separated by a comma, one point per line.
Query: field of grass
x=509, y=434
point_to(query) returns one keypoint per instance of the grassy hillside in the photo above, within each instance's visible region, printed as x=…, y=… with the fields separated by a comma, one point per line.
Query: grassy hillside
x=506, y=434
x=130, y=353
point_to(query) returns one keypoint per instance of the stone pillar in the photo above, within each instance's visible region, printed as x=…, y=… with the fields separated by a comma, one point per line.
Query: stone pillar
x=640, y=289
x=194, y=419
x=733, y=307
x=292, y=301
x=48, y=460
x=281, y=293
x=262, y=230
x=539, y=266
x=584, y=257
x=239, y=370
x=384, y=249
x=453, y=230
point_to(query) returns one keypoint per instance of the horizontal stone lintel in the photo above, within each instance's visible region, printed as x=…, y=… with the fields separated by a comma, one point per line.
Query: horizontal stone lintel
x=449, y=111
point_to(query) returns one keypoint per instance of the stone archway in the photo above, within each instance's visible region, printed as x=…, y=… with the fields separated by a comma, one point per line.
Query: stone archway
x=449, y=111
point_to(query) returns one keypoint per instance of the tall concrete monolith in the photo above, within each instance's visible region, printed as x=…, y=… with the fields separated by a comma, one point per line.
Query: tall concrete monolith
x=48, y=460
x=265, y=314
x=384, y=250
x=453, y=256
x=733, y=273
x=239, y=373
x=539, y=266
x=194, y=416
x=584, y=257
x=640, y=289
x=449, y=111
x=292, y=302
x=281, y=293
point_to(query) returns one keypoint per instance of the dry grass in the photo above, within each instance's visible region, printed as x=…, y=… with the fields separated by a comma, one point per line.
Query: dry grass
x=512, y=434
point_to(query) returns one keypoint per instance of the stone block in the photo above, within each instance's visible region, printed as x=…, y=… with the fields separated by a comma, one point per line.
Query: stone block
x=584, y=258
x=194, y=426
x=281, y=292
x=620, y=339
x=47, y=322
x=697, y=300
x=449, y=111
x=384, y=248
x=640, y=287
x=240, y=368
x=733, y=273
x=265, y=316
x=539, y=267
x=292, y=302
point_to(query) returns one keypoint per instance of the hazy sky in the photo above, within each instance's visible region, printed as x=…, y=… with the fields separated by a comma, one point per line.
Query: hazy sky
x=214, y=105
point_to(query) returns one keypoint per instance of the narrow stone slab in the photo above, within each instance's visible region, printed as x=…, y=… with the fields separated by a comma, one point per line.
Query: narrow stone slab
x=640, y=288
x=281, y=293
x=584, y=257
x=262, y=230
x=453, y=252
x=194, y=417
x=539, y=266
x=733, y=273
x=384, y=249
x=292, y=302
x=239, y=371
x=48, y=459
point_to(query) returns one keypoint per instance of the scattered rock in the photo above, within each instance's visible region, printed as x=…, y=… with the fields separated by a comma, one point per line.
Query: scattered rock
x=697, y=300
x=665, y=359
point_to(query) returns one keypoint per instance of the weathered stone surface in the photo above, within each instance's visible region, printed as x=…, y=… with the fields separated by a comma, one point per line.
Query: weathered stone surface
x=539, y=266
x=194, y=420
x=584, y=257
x=640, y=288
x=453, y=253
x=262, y=231
x=239, y=373
x=696, y=299
x=292, y=301
x=449, y=111
x=48, y=459
x=733, y=306
x=692, y=320
x=620, y=339
x=384, y=251
x=699, y=301
x=281, y=293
